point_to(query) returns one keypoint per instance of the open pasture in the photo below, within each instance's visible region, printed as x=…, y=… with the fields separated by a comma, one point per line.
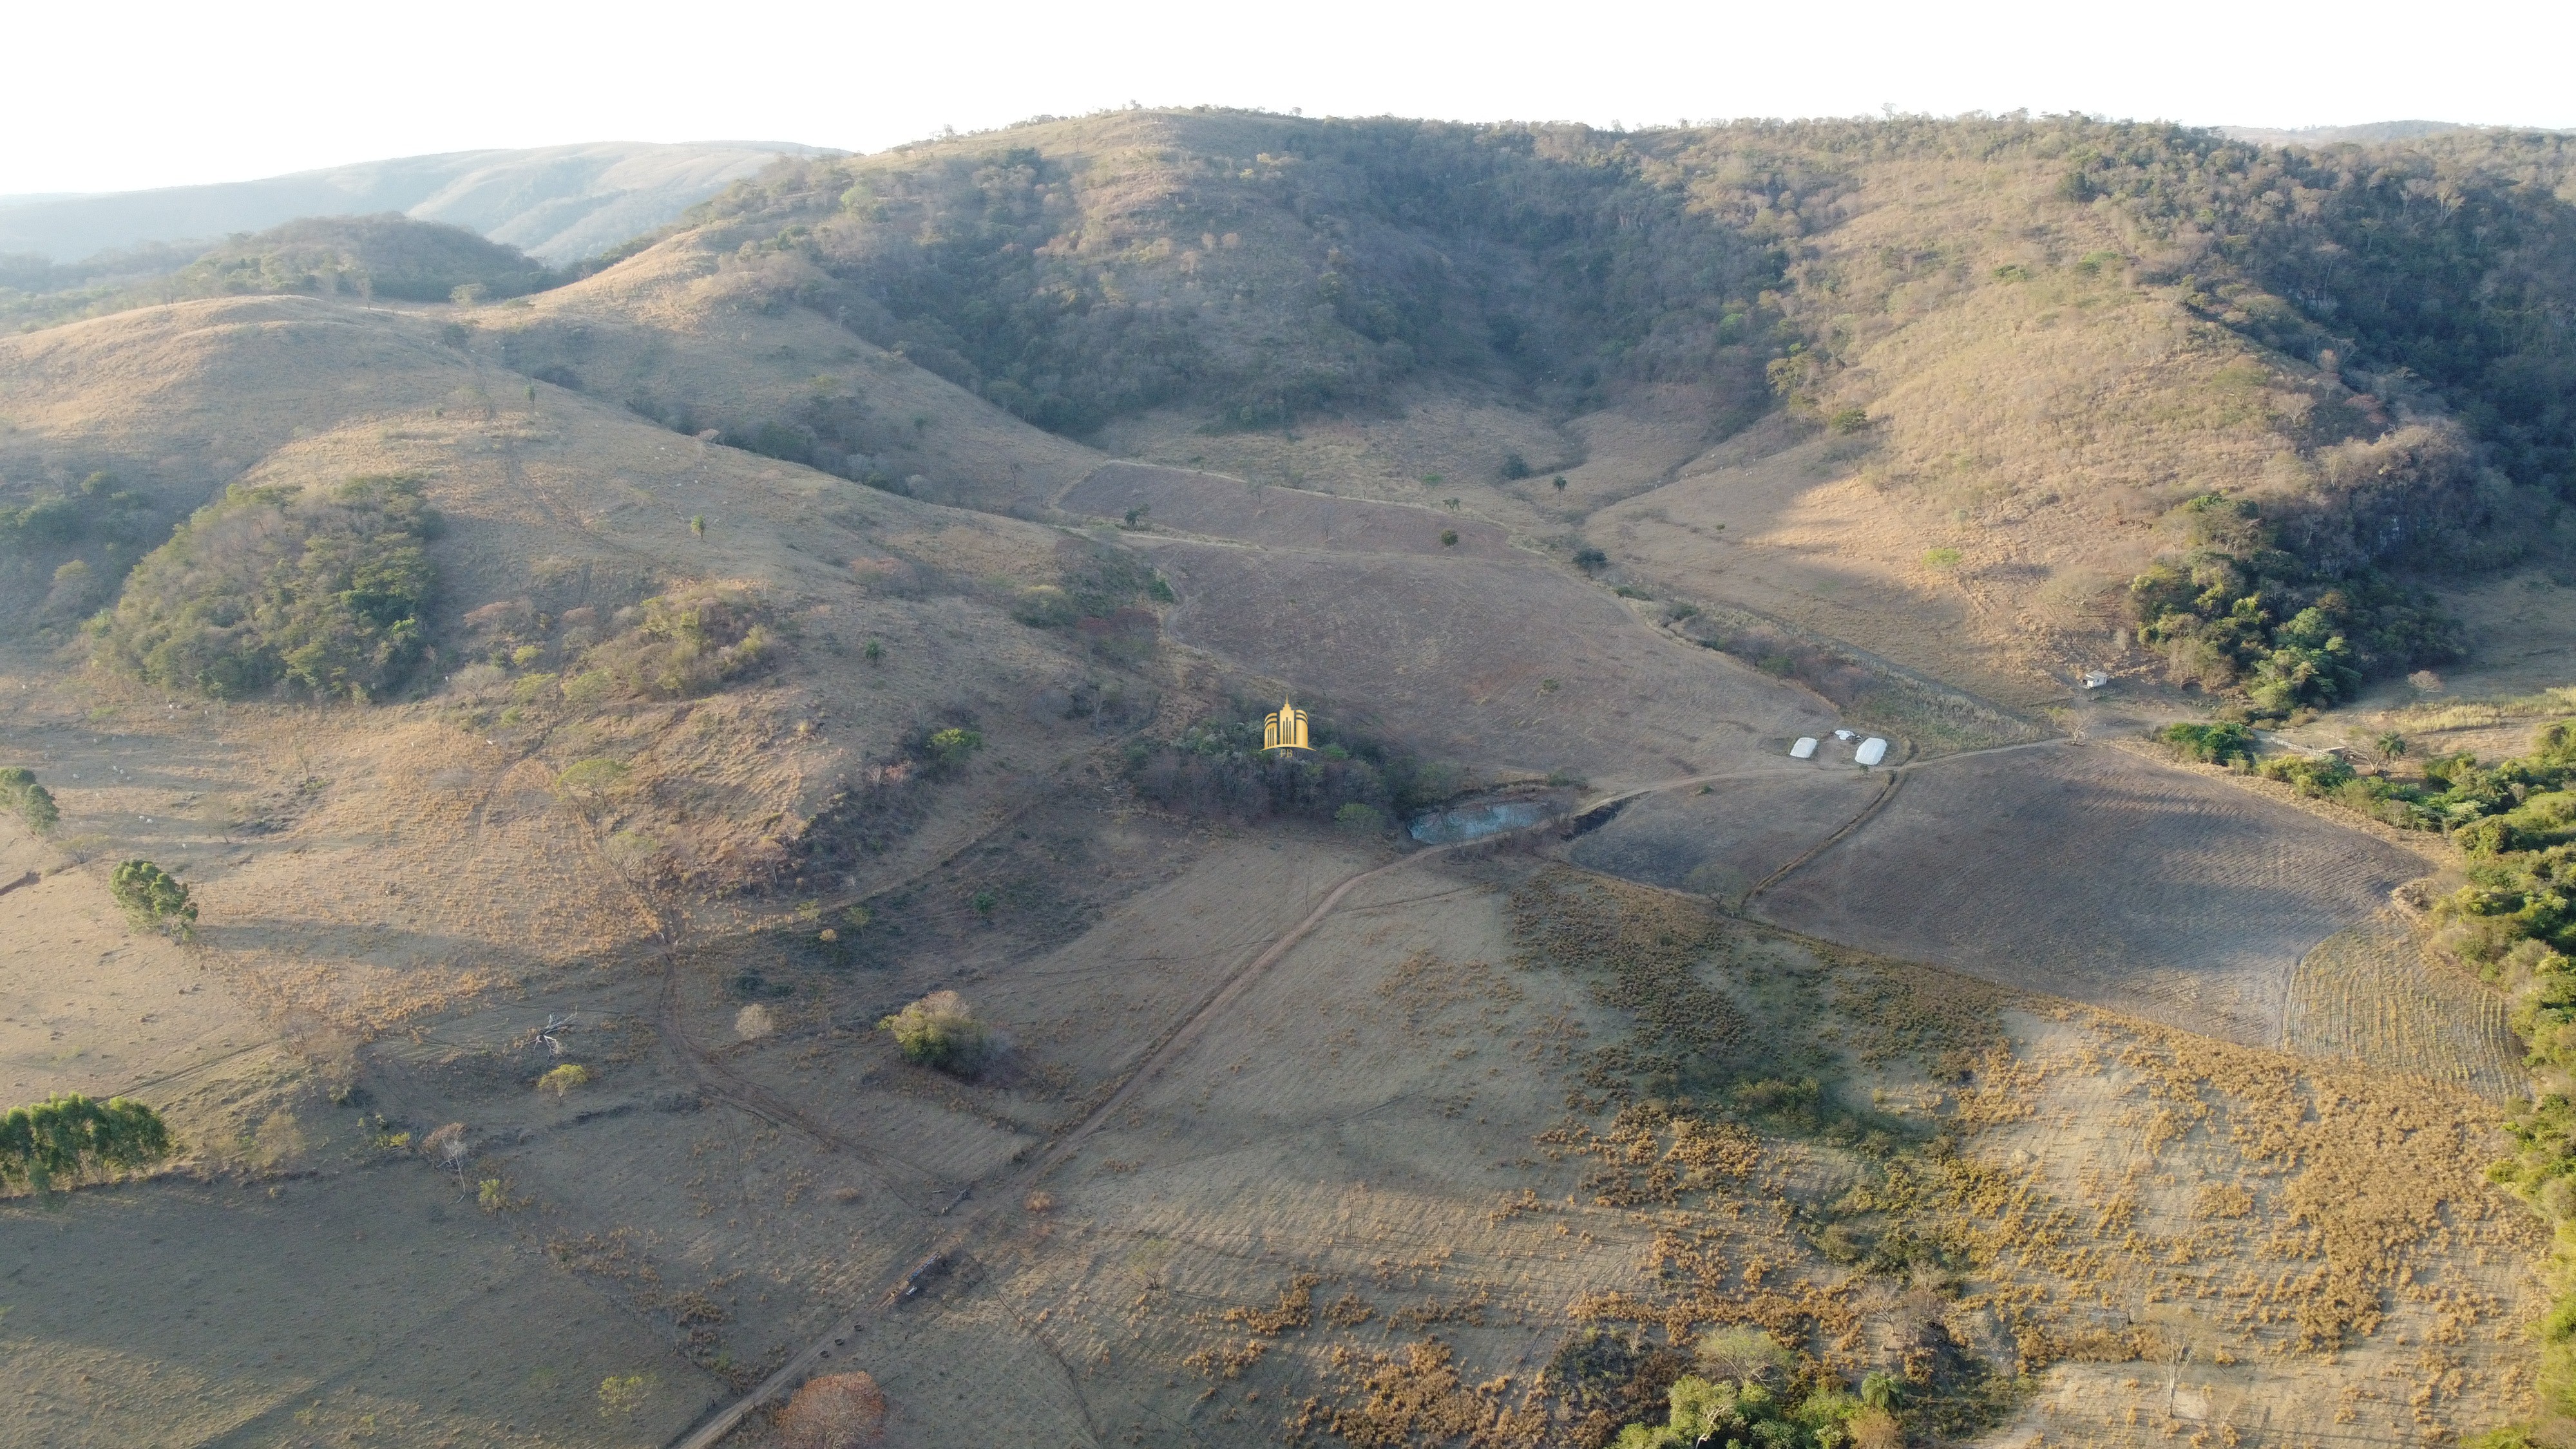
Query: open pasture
x=2092, y=874
x=1508, y=665
x=1729, y=840
x=1386, y=1188
x=371, y=1305
x=1218, y=506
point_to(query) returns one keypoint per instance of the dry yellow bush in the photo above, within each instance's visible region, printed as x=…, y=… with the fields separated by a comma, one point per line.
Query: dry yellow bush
x=834, y=1411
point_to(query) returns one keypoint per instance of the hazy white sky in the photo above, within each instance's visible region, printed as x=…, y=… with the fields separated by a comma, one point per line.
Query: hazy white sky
x=154, y=94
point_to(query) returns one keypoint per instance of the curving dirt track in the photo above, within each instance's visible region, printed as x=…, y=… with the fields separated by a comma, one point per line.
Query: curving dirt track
x=2089, y=873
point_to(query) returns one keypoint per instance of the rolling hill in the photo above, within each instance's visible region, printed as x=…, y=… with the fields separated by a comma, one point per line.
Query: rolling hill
x=806, y=673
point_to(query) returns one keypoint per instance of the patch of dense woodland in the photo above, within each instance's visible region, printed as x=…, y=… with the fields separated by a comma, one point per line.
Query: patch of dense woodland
x=1306, y=264
x=1076, y=277
x=2239, y=609
x=387, y=255
x=2453, y=256
x=63, y=550
x=316, y=591
x=36, y=291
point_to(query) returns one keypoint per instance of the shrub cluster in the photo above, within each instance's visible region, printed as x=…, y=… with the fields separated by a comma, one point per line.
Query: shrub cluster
x=32, y=802
x=316, y=591
x=687, y=642
x=939, y=1031
x=97, y=511
x=1719, y=1411
x=2240, y=612
x=1104, y=596
x=1218, y=767
x=2511, y=808
x=2212, y=744
x=66, y=1135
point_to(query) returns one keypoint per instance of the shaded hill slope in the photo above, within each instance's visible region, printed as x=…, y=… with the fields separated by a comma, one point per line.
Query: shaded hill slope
x=2030, y=344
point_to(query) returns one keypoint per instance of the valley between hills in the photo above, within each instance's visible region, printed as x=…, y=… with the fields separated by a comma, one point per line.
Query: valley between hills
x=733, y=893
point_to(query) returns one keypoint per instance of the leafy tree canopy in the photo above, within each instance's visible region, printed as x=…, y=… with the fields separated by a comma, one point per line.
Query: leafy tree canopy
x=67, y=1135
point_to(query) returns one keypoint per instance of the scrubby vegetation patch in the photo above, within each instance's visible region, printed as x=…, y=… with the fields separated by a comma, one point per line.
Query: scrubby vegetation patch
x=316, y=591
x=1217, y=766
x=940, y=1031
x=64, y=1136
x=29, y=801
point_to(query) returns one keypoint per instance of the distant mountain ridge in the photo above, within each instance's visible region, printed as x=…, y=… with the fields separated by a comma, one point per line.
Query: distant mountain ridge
x=2369, y=134
x=557, y=203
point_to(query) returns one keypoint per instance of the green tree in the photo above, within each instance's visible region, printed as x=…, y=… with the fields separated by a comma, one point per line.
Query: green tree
x=2211, y=744
x=152, y=896
x=592, y=779
x=32, y=802
x=939, y=1031
x=949, y=749
x=66, y=1135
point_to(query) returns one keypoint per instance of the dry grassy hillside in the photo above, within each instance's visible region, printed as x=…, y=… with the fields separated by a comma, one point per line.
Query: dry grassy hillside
x=688, y=335
x=730, y=842
x=882, y=617
x=2003, y=353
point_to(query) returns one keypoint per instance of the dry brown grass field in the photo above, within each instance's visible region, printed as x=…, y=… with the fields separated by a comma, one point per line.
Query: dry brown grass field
x=2098, y=1100
x=2087, y=873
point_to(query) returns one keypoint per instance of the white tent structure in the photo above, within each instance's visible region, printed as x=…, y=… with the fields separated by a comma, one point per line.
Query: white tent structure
x=1804, y=749
x=1871, y=751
